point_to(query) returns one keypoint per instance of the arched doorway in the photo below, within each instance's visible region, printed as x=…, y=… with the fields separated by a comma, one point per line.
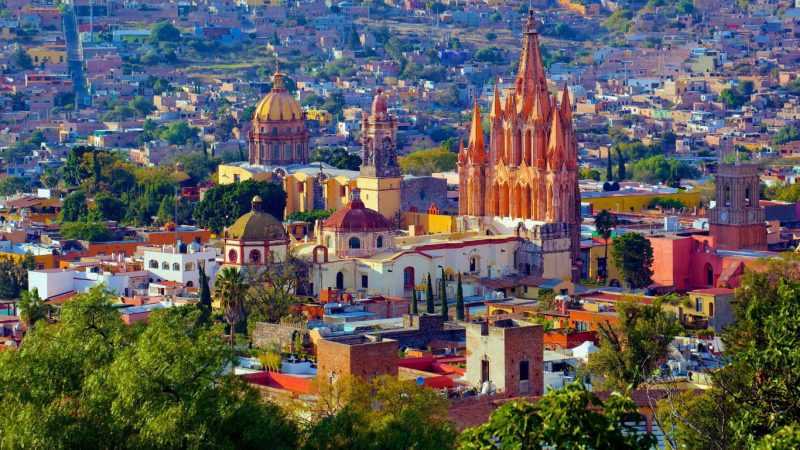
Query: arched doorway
x=709, y=275
x=340, y=281
x=408, y=278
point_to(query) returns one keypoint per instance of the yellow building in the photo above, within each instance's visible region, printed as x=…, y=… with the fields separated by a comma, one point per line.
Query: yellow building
x=302, y=185
x=381, y=194
x=635, y=201
x=425, y=223
x=596, y=252
x=48, y=54
x=319, y=115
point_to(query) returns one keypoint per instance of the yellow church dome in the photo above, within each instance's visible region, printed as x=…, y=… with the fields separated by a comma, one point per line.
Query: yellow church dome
x=256, y=226
x=279, y=104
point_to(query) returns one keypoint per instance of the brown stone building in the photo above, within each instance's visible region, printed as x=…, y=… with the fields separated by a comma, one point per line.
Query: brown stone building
x=737, y=220
x=363, y=356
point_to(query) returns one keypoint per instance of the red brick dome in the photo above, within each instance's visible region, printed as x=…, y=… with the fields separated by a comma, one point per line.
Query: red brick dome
x=357, y=217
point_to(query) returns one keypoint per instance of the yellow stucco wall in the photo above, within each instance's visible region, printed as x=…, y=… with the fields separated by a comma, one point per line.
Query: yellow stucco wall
x=381, y=194
x=597, y=252
x=425, y=223
x=227, y=174
x=48, y=55
x=42, y=261
x=638, y=202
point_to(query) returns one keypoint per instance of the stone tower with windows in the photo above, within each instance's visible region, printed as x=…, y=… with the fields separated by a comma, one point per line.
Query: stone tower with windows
x=380, y=180
x=737, y=220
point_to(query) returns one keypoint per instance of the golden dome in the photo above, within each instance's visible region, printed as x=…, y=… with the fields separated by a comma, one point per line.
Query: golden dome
x=256, y=226
x=279, y=104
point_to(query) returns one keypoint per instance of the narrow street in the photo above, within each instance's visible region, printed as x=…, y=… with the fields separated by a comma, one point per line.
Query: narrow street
x=75, y=56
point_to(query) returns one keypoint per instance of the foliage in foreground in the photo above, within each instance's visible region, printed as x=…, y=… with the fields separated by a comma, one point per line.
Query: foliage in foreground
x=567, y=418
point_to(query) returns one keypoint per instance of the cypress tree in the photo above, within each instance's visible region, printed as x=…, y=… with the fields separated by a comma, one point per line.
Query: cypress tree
x=443, y=296
x=459, y=300
x=609, y=172
x=429, y=296
x=205, y=296
x=414, y=306
x=621, y=162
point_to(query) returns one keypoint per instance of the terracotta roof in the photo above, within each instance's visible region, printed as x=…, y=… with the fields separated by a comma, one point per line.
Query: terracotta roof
x=357, y=217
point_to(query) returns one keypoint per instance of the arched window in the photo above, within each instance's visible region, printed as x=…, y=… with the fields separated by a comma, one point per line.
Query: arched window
x=232, y=256
x=473, y=264
x=189, y=284
x=153, y=264
x=354, y=242
x=165, y=265
x=176, y=267
x=747, y=197
x=340, y=281
x=408, y=277
x=727, y=196
x=379, y=242
x=189, y=266
x=255, y=257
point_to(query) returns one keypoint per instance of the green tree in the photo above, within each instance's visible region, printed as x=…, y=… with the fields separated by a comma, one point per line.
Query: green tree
x=459, y=300
x=14, y=276
x=205, y=295
x=164, y=32
x=86, y=231
x=429, y=306
x=786, y=134
x=658, y=169
x=178, y=133
x=754, y=401
x=109, y=206
x=568, y=418
x=443, y=296
x=14, y=185
x=22, y=59
x=273, y=294
x=633, y=256
x=141, y=105
x=230, y=289
x=415, y=302
x=74, y=207
x=620, y=165
x=223, y=204
x=426, y=162
x=630, y=352
x=338, y=157
x=605, y=222
x=31, y=308
x=386, y=413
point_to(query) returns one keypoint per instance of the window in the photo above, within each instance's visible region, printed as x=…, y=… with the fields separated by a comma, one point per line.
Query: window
x=274, y=131
x=524, y=372
x=340, y=281
x=698, y=304
x=176, y=267
x=255, y=257
x=379, y=242
x=473, y=264
x=165, y=265
x=581, y=326
x=354, y=243
x=364, y=281
x=189, y=266
x=153, y=264
x=232, y=256
x=710, y=310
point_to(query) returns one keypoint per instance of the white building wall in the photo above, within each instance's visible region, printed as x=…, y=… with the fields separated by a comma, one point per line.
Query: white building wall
x=50, y=283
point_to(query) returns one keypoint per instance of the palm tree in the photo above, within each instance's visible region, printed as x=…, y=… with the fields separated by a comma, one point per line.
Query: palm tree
x=32, y=308
x=230, y=289
x=605, y=222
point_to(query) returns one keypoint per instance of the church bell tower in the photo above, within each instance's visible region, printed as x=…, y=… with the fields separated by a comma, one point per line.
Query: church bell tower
x=737, y=220
x=380, y=179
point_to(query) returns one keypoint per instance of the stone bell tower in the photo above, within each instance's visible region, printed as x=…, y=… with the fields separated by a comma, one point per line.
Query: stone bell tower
x=380, y=179
x=737, y=220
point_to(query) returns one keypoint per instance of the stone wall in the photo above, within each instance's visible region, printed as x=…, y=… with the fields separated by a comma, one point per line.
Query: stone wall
x=420, y=192
x=266, y=335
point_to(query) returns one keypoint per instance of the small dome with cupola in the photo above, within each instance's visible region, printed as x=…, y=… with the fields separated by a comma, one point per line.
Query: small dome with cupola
x=356, y=231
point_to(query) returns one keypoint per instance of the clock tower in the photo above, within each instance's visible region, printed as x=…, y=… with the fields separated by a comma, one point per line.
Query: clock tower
x=380, y=180
x=737, y=220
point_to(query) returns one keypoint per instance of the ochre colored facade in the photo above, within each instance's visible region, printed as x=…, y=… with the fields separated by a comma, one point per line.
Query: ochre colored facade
x=279, y=135
x=380, y=181
x=737, y=220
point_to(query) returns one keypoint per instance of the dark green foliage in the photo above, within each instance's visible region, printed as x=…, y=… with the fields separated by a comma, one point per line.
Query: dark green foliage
x=223, y=204
x=665, y=203
x=633, y=256
x=338, y=157
x=736, y=96
x=568, y=418
x=786, y=134
x=429, y=306
x=14, y=185
x=158, y=386
x=493, y=55
x=443, y=296
x=86, y=231
x=205, y=296
x=74, y=207
x=164, y=32
x=109, y=206
x=755, y=399
x=658, y=169
x=415, y=303
x=22, y=59
x=14, y=276
x=459, y=300
x=632, y=350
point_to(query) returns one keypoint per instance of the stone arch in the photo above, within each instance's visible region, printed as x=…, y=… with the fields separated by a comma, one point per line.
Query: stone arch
x=176, y=267
x=379, y=242
x=528, y=147
x=504, y=200
x=354, y=243
x=164, y=265
x=316, y=251
x=525, y=203
x=517, y=147
x=339, y=280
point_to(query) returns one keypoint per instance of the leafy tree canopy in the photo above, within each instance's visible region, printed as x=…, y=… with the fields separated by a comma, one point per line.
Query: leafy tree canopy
x=633, y=255
x=426, y=162
x=223, y=204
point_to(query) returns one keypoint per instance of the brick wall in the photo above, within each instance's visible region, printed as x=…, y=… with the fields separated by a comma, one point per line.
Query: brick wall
x=356, y=356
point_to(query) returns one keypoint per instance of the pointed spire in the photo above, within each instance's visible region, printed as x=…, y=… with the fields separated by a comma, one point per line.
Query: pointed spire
x=530, y=76
x=497, y=108
x=476, y=135
x=462, y=155
x=555, y=145
x=538, y=114
x=566, y=105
